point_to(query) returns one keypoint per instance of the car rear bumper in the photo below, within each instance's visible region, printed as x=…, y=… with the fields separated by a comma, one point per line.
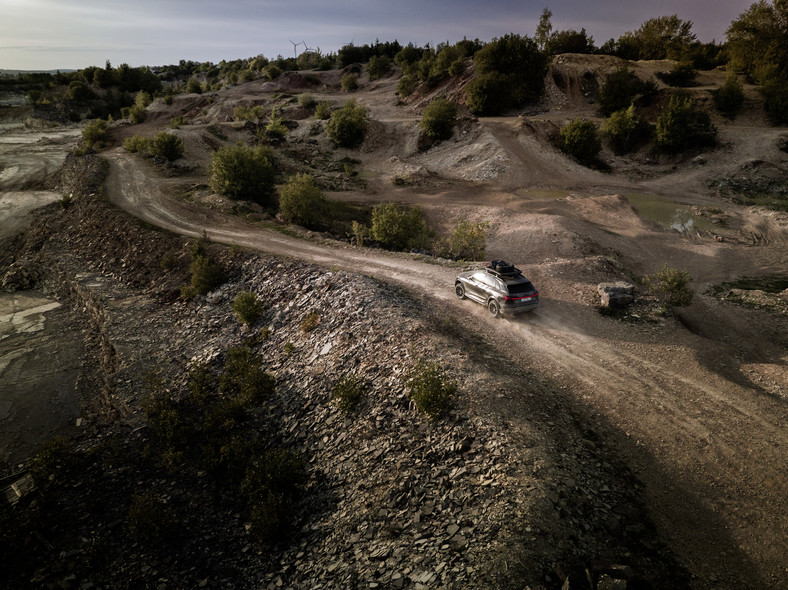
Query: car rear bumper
x=515, y=308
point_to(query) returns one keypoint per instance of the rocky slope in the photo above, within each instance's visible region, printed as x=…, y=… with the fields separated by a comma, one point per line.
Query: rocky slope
x=390, y=499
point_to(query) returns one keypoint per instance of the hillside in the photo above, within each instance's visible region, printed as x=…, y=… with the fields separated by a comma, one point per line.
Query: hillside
x=646, y=448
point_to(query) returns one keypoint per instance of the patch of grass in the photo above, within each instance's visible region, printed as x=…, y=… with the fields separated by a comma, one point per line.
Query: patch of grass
x=347, y=393
x=431, y=389
x=310, y=322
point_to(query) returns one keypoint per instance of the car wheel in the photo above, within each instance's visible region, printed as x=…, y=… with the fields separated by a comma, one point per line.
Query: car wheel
x=494, y=308
x=459, y=290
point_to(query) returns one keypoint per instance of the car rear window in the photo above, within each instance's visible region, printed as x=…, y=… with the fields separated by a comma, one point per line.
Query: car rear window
x=520, y=288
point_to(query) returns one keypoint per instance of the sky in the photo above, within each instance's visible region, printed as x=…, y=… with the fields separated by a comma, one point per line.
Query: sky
x=73, y=34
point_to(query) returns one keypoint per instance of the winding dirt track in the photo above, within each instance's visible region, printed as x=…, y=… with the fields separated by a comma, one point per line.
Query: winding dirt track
x=709, y=446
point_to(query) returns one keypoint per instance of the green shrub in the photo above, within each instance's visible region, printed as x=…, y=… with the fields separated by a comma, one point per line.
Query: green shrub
x=348, y=125
x=398, y=227
x=310, y=322
x=52, y=460
x=681, y=126
x=775, y=97
x=169, y=261
x=241, y=172
x=271, y=486
x=94, y=132
x=581, y=139
x=275, y=128
x=378, y=66
x=406, y=85
x=137, y=145
x=166, y=145
x=619, y=89
x=431, y=389
x=151, y=520
x=510, y=72
x=438, y=119
x=193, y=86
x=682, y=74
x=247, y=307
x=625, y=130
x=671, y=286
x=242, y=113
x=323, y=110
x=729, y=97
x=466, y=242
x=301, y=201
x=272, y=72
x=176, y=122
x=347, y=393
x=206, y=275
x=244, y=379
x=306, y=101
x=349, y=83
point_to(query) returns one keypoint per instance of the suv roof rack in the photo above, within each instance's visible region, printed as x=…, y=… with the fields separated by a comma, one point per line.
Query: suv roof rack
x=501, y=268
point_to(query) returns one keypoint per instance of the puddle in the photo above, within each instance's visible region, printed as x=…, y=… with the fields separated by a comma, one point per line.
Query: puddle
x=667, y=213
x=541, y=194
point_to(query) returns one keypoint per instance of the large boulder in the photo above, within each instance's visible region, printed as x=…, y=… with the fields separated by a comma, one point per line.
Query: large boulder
x=618, y=294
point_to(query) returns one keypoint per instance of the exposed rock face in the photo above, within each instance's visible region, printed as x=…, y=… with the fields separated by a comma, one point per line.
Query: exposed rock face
x=618, y=294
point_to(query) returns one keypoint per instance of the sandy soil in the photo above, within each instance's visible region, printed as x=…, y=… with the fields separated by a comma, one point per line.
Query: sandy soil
x=696, y=405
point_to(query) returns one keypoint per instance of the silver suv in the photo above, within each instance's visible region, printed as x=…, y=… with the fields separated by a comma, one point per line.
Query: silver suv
x=500, y=286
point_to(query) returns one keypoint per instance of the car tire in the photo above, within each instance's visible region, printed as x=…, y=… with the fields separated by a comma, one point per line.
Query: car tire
x=494, y=308
x=459, y=290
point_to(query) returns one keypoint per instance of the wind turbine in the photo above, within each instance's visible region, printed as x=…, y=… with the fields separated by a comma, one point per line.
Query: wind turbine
x=294, y=47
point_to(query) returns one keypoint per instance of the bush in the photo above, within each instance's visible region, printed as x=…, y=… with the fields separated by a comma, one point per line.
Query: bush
x=348, y=125
x=378, y=66
x=349, y=83
x=306, y=101
x=775, y=96
x=431, y=389
x=271, y=486
x=247, y=307
x=206, y=275
x=151, y=520
x=94, y=132
x=398, y=227
x=323, y=110
x=619, y=89
x=406, y=85
x=671, y=286
x=682, y=74
x=729, y=97
x=241, y=172
x=347, y=393
x=438, y=119
x=510, y=72
x=275, y=129
x=53, y=459
x=176, y=122
x=581, y=140
x=242, y=113
x=193, y=86
x=467, y=241
x=681, y=126
x=625, y=130
x=301, y=201
x=244, y=379
x=166, y=145
x=272, y=72
x=310, y=322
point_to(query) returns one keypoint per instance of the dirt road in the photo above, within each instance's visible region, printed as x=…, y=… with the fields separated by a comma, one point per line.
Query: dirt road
x=696, y=408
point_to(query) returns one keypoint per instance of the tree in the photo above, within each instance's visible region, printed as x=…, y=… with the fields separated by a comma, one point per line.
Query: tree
x=729, y=97
x=398, y=227
x=618, y=90
x=438, y=119
x=241, y=172
x=301, y=201
x=569, y=42
x=682, y=126
x=664, y=37
x=512, y=68
x=543, y=29
x=757, y=42
x=625, y=130
x=348, y=125
x=378, y=66
x=581, y=140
